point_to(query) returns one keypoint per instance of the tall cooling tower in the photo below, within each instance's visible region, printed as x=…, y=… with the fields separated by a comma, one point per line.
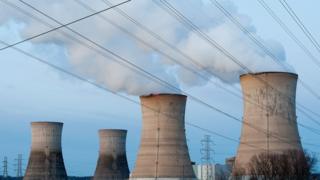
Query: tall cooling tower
x=163, y=152
x=112, y=162
x=46, y=161
x=269, y=105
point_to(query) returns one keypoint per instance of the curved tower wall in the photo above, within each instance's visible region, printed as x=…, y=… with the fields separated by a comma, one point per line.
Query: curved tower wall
x=46, y=160
x=163, y=152
x=270, y=108
x=112, y=162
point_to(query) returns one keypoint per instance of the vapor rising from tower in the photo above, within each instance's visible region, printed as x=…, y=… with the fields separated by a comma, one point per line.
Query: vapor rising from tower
x=46, y=161
x=112, y=162
x=273, y=114
x=163, y=152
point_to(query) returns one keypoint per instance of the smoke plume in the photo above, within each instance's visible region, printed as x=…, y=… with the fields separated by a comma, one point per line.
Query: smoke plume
x=97, y=65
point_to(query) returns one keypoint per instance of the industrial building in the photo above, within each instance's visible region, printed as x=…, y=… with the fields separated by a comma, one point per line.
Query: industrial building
x=269, y=116
x=46, y=160
x=112, y=162
x=212, y=171
x=163, y=152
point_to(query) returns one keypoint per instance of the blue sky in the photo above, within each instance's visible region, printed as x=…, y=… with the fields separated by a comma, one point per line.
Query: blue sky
x=30, y=91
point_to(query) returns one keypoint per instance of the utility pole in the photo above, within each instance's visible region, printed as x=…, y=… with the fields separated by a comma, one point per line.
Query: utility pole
x=19, y=165
x=5, y=167
x=206, y=158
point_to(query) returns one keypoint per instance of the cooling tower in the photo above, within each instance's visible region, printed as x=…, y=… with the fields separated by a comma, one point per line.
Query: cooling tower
x=112, y=161
x=163, y=152
x=269, y=105
x=46, y=161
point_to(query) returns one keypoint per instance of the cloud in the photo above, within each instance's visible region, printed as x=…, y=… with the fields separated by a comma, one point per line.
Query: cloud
x=102, y=67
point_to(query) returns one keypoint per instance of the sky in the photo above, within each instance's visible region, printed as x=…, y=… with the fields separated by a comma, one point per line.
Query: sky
x=31, y=91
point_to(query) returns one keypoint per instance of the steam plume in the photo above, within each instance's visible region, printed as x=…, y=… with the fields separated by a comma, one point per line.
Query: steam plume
x=117, y=77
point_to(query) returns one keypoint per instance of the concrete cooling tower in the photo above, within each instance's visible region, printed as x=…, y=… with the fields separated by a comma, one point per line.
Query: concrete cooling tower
x=163, y=152
x=46, y=161
x=112, y=161
x=269, y=105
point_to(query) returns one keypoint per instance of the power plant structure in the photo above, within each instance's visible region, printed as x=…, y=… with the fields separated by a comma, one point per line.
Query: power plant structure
x=46, y=160
x=163, y=152
x=112, y=162
x=269, y=120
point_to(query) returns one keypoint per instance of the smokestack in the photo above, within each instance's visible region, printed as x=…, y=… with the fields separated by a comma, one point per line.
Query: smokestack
x=112, y=162
x=273, y=110
x=163, y=150
x=46, y=161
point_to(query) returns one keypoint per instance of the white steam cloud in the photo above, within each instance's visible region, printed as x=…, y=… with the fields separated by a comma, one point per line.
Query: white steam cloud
x=104, y=70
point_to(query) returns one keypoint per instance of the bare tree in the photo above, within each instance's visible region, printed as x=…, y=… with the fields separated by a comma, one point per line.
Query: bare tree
x=238, y=172
x=289, y=165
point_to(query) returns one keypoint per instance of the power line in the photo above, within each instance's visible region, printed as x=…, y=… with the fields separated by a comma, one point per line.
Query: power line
x=297, y=41
x=298, y=21
x=248, y=33
x=184, y=20
x=173, y=59
x=190, y=25
x=258, y=43
x=170, y=57
x=154, y=77
x=287, y=30
x=158, y=37
x=128, y=62
x=149, y=75
x=120, y=95
x=262, y=46
x=63, y=25
x=37, y=59
x=69, y=36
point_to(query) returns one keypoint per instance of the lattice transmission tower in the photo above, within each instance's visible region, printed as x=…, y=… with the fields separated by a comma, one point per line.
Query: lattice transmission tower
x=5, y=167
x=207, y=158
x=19, y=166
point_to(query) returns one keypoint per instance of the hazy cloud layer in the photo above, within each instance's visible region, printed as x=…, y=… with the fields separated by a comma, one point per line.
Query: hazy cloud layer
x=100, y=67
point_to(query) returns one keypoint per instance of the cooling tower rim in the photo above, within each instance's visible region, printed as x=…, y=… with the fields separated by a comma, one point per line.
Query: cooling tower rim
x=113, y=130
x=162, y=94
x=46, y=123
x=270, y=72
